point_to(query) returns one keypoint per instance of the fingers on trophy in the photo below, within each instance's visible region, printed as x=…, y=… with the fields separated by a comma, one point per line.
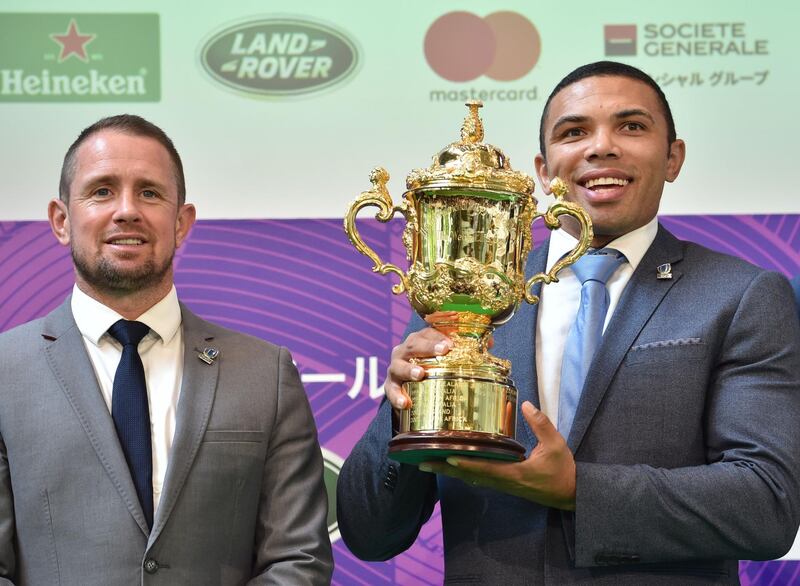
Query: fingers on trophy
x=467, y=238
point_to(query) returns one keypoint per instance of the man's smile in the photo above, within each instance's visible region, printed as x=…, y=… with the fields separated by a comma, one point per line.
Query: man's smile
x=603, y=185
x=601, y=182
x=126, y=240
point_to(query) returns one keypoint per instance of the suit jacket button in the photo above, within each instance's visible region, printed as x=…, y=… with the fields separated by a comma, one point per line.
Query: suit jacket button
x=150, y=566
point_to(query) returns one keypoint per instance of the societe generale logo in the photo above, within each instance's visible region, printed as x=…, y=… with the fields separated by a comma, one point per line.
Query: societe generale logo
x=279, y=57
x=620, y=39
x=462, y=46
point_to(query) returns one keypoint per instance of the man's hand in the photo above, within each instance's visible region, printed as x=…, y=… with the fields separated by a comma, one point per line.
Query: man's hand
x=426, y=343
x=546, y=477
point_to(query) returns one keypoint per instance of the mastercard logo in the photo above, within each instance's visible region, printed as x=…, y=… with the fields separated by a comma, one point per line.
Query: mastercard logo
x=461, y=46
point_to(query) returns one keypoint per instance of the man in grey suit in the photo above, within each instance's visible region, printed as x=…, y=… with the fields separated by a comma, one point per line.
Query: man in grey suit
x=140, y=444
x=684, y=450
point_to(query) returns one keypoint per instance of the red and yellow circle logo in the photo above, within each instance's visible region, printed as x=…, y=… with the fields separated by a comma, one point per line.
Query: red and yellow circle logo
x=461, y=46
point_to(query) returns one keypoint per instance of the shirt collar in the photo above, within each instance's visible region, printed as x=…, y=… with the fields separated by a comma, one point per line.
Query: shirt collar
x=633, y=245
x=93, y=318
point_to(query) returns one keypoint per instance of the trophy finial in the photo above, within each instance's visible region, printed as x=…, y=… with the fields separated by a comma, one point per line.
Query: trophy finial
x=379, y=177
x=558, y=187
x=472, y=129
x=470, y=162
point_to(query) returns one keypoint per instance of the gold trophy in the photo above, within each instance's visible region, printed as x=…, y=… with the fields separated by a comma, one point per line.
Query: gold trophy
x=467, y=237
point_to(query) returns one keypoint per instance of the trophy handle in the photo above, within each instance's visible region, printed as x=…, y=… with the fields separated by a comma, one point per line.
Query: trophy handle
x=378, y=196
x=552, y=221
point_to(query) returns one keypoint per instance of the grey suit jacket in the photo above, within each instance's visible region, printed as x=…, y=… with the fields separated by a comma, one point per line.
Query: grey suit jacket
x=243, y=499
x=686, y=441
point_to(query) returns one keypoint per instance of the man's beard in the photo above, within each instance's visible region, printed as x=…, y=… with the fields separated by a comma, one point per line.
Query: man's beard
x=105, y=276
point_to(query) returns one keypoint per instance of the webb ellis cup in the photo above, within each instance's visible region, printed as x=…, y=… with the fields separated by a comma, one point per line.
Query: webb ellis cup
x=467, y=237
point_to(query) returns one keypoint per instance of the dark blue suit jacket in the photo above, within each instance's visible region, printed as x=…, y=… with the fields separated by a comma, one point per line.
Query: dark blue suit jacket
x=686, y=442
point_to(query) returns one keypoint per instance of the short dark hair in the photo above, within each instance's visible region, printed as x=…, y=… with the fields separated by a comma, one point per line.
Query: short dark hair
x=126, y=124
x=610, y=69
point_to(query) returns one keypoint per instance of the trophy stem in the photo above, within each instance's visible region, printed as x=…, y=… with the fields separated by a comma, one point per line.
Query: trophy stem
x=470, y=333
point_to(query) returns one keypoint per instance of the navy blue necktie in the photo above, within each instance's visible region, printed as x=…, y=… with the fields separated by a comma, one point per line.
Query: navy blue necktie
x=131, y=413
x=584, y=336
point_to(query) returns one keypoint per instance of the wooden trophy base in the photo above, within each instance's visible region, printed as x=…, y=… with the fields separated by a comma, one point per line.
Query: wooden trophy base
x=416, y=447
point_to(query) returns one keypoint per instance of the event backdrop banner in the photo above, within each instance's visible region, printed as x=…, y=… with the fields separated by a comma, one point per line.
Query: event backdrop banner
x=280, y=111
x=300, y=284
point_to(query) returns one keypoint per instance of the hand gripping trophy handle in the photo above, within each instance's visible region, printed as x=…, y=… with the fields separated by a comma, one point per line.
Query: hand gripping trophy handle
x=378, y=196
x=552, y=220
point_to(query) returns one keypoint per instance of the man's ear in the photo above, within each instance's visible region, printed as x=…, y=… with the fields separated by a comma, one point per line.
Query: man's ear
x=541, y=171
x=184, y=222
x=677, y=154
x=58, y=215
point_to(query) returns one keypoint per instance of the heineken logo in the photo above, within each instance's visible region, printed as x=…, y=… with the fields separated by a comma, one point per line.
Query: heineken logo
x=279, y=57
x=47, y=57
x=332, y=466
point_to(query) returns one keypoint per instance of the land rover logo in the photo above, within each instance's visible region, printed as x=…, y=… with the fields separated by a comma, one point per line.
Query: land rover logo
x=279, y=57
x=332, y=466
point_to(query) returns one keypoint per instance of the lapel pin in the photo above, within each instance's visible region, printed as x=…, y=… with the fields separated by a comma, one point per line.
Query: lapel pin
x=208, y=355
x=664, y=271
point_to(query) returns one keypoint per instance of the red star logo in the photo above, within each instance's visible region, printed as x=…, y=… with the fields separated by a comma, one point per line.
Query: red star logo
x=73, y=42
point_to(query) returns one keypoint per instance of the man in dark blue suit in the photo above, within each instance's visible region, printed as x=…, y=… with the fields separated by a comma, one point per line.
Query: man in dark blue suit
x=684, y=451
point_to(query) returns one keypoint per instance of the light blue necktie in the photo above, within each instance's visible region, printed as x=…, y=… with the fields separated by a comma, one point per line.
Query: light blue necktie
x=584, y=336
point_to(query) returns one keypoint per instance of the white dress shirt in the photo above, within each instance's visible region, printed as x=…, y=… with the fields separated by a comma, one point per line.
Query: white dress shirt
x=161, y=351
x=560, y=301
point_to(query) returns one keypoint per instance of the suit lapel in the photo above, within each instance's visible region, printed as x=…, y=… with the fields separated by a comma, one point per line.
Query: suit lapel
x=66, y=355
x=198, y=388
x=519, y=336
x=640, y=299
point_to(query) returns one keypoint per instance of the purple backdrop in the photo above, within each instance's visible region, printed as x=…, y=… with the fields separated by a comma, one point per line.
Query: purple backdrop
x=299, y=283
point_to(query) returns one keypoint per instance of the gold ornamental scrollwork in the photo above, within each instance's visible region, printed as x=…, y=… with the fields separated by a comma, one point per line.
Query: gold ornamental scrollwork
x=526, y=219
x=412, y=226
x=430, y=288
x=379, y=197
x=490, y=287
x=552, y=220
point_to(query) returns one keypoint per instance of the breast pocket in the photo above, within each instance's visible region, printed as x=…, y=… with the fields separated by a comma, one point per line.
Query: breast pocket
x=233, y=435
x=667, y=352
x=230, y=459
x=658, y=398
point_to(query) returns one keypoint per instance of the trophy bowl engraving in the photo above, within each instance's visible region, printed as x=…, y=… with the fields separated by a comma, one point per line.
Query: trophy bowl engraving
x=467, y=253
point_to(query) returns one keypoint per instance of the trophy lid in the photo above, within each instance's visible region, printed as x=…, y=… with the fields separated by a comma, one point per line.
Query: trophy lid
x=470, y=163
